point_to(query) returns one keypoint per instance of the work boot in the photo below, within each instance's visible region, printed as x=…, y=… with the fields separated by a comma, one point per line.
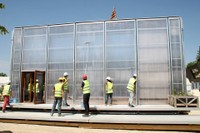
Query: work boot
x=3, y=110
x=67, y=104
x=130, y=105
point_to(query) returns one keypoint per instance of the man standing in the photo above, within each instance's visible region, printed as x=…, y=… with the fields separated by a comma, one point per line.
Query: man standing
x=58, y=92
x=37, y=90
x=66, y=88
x=7, y=92
x=86, y=94
x=30, y=91
x=109, y=90
x=1, y=92
x=131, y=89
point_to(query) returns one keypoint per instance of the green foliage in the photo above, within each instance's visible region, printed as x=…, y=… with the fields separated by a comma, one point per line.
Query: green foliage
x=196, y=61
x=2, y=6
x=191, y=64
x=179, y=93
x=3, y=30
x=3, y=75
x=198, y=55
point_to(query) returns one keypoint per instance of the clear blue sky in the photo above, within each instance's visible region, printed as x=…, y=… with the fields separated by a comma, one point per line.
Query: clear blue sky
x=43, y=12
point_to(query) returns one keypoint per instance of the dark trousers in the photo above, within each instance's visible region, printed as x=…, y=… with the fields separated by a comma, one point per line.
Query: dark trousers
x=41, y=95
x=86, y=98
x=32, y=96
x=107, y=96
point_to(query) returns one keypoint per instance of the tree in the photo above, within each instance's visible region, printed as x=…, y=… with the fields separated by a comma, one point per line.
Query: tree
x=3, y=75
x=3, y=30
x=193, y=69
x=198, y=55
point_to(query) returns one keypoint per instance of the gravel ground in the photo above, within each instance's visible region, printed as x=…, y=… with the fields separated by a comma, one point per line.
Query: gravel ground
x=25, y=128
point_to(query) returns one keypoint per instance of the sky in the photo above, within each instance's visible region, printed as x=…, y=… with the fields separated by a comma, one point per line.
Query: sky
x=18, y=13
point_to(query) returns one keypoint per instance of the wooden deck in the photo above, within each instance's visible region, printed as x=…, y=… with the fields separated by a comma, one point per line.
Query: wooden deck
x=141, y=117
x=139, y=109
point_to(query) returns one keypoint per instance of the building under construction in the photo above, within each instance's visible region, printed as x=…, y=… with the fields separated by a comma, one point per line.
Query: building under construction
x=150, y=47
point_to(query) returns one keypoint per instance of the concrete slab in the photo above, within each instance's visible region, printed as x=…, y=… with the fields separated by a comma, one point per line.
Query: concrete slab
x=102, y=107
x=102, y=118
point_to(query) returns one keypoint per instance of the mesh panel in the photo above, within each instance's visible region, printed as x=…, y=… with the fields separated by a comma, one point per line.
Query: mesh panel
x=61, y=56
x=176, y=55
x=120, y=56
x=15, y=62
x=34, y=49
x=151, y=48
x=89, y=59
x=153, y=59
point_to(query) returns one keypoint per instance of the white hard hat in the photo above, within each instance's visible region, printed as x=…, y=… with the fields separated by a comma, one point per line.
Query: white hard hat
x=37, y=80
x=9, y=81
x=135, y=75
x=108, y=78
x=65, y=74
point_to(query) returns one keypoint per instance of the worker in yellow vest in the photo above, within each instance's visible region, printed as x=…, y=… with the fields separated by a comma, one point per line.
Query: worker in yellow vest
x=66, y=88
x=86, y=94
x=58, y=92
x=1, y=92
x=109, y=90
x=131, y=89
x=7, y=93
x=37, y=91
x=30, y=91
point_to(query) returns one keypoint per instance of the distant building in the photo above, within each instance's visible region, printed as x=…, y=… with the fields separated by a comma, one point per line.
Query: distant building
x=150, y=47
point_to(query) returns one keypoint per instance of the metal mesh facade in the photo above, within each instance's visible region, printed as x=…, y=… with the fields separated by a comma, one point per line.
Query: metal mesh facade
x=151, y=47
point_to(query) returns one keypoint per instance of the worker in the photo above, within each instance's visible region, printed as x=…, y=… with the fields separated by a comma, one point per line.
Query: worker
x=30, y=91
x=7, y=93
x=1, y=92
x=66, y=88
x=37, y=90
x=86, y=94
x=58, y=92
x=42, y=89
x=131, y=89
x=109, y=90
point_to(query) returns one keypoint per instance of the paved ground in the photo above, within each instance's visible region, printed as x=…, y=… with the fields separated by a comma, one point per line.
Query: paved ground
x=24, y=128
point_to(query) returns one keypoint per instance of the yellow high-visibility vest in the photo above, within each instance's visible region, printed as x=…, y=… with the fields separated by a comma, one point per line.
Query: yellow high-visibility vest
x=130, y=85
x=29, y=87
x=86, y=87
x=66, y=86
x=58, y=90
x=109, y=87
x=37, y=87
x=6, y=90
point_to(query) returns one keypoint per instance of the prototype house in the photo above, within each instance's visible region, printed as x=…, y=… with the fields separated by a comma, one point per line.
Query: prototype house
x=150, y=47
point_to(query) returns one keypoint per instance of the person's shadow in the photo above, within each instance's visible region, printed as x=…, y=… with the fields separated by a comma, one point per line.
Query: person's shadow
x=6, y=131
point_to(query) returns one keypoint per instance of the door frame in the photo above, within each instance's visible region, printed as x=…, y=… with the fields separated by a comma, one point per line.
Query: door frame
x=35, y=77
x=23, y=87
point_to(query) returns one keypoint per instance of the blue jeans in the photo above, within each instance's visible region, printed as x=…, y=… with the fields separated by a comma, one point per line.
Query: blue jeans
x=107, y=96
x=57, y=100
